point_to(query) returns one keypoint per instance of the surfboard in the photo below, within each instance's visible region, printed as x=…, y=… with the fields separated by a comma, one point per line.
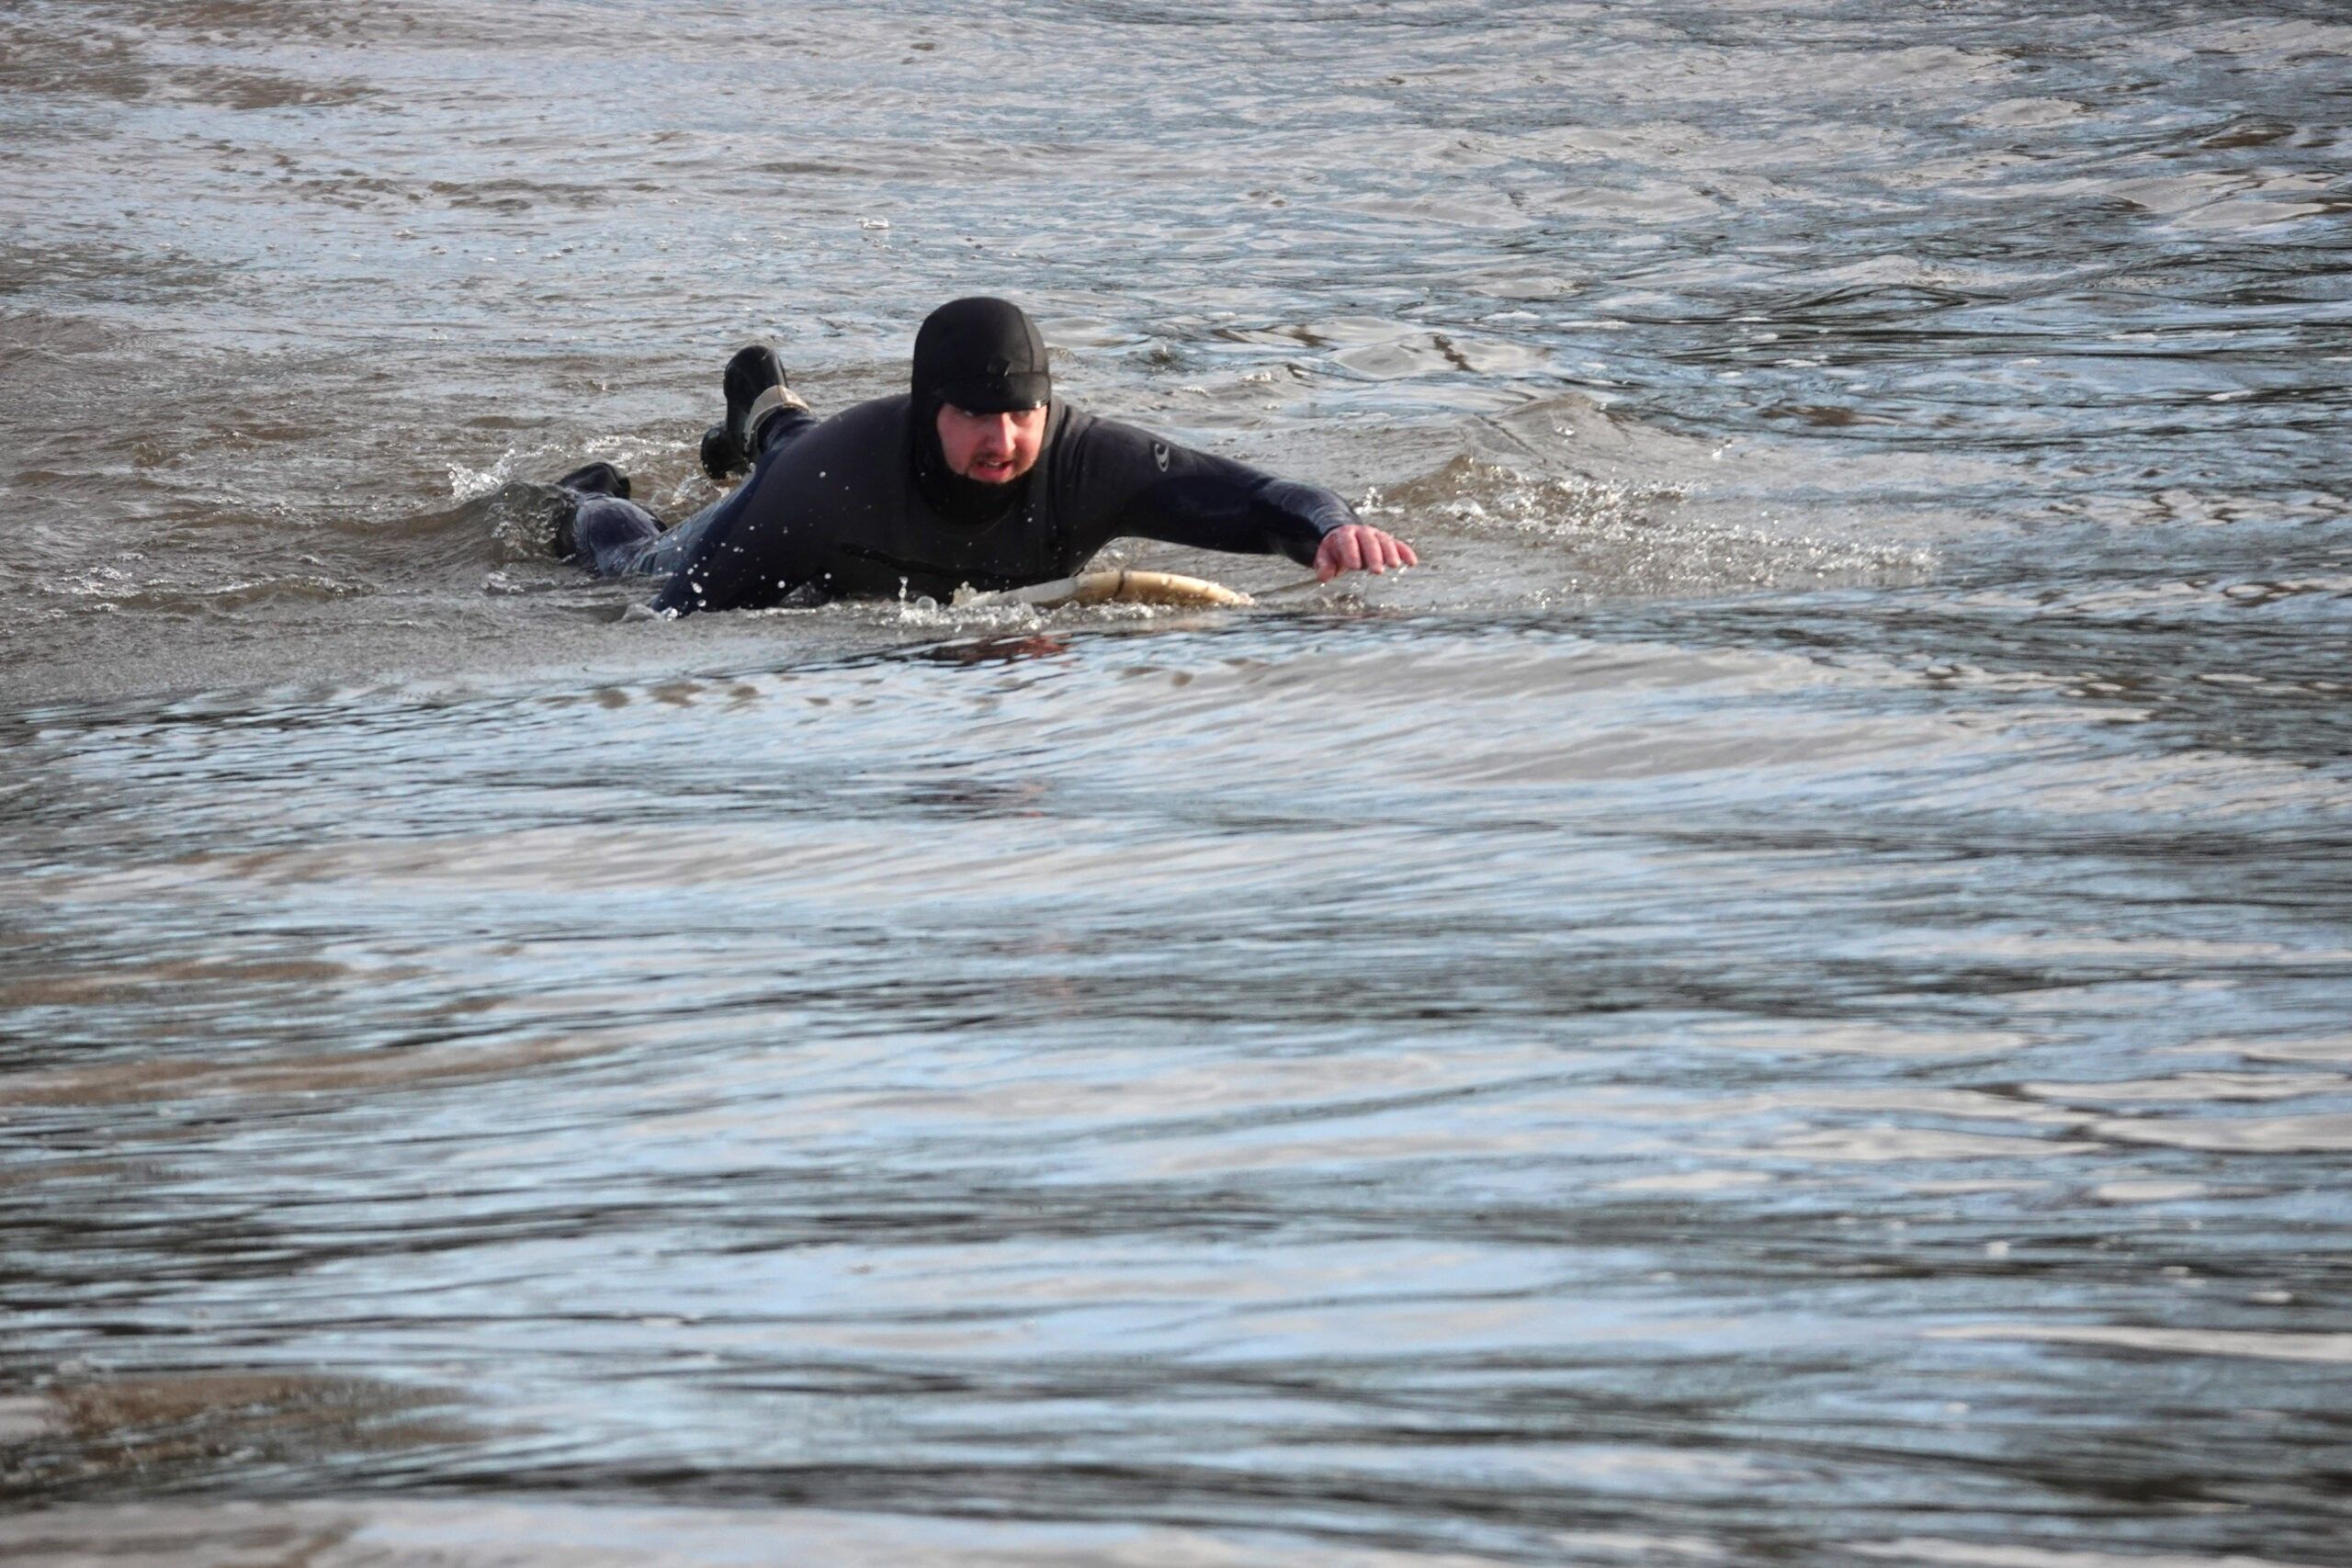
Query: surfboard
x=1114, y=588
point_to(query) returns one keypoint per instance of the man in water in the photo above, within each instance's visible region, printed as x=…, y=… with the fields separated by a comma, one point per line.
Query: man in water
x=978, y=477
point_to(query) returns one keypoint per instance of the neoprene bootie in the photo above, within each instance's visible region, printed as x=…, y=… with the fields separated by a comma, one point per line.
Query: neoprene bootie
x=755, y=389
x=596, y=479
x=589, y=479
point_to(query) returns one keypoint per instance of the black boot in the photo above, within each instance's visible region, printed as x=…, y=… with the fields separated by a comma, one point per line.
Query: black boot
x=728, y=449
x=596, y=479
x=721, y=459
x=589, y=479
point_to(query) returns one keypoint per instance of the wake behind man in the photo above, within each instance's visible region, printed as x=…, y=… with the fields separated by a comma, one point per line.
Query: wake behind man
x=979, y=476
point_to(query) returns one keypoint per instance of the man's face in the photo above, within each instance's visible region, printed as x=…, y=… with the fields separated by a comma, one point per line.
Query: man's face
x=994, y=448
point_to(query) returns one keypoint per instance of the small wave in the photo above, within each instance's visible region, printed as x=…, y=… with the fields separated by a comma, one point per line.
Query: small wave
x=2332, y=1347
x=109, y=590
x=472, y=484
x=1920, y=1553
x=2323, y=1133
x=511, y=523
x=1615, y=536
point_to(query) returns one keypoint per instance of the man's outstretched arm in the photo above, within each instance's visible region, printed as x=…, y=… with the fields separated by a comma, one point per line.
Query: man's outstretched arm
x=1131, y=484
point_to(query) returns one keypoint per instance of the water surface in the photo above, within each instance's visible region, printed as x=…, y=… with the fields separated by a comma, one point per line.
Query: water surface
x=1785, y=999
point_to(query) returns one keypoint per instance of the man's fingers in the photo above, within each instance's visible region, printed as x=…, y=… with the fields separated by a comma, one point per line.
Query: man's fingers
x=1359, y=547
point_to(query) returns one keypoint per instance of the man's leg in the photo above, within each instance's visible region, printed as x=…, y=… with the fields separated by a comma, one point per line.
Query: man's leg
x=603, y=529
x=758, y=399
x=781, y=423
x=778, y=429
x=615, y=537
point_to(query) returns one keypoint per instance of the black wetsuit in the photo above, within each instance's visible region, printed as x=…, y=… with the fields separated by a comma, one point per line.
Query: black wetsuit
x=833, y=509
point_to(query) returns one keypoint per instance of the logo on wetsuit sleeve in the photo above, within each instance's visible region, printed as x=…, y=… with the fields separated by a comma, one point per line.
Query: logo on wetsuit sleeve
x=1160, y=455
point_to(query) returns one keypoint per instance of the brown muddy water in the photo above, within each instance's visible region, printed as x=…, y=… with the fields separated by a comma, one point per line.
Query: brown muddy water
x=1787, y=998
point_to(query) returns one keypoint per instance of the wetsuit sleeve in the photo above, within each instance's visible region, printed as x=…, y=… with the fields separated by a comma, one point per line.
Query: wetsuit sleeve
x=1129, y=483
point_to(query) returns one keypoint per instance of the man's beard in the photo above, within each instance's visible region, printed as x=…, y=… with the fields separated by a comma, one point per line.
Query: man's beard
x=954, y=496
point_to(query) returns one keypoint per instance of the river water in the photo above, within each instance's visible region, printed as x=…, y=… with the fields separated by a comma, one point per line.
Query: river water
x=1787, y=997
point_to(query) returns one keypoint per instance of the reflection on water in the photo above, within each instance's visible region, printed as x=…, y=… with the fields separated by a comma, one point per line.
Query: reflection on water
x=112, y=1430
x=1785, y=1001
x=1153, y=1084
x=352, y=1535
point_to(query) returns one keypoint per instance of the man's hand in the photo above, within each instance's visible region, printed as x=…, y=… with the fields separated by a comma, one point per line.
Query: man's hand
x=1359, y=546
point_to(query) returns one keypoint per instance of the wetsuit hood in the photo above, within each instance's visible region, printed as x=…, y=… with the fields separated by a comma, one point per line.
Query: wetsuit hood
x=982, y=355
